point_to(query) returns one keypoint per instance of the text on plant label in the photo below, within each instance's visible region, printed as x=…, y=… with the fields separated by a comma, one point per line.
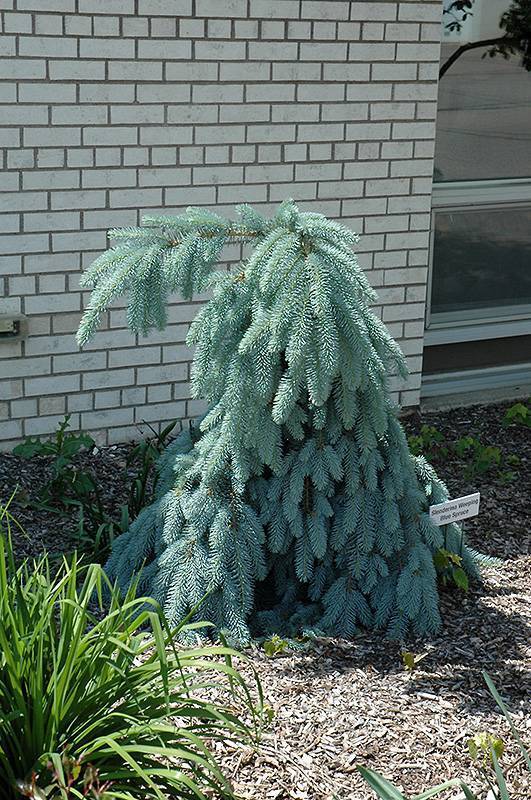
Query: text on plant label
x=454, y=510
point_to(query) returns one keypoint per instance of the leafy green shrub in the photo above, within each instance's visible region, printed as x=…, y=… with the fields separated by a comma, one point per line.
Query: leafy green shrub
x=519, y=414
x=478, y=458
x=73, y=489
x=429, y=442
x=485, y=750
x=102, y=704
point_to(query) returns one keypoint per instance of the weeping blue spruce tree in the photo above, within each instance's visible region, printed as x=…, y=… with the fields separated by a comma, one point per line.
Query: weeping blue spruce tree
x=295, y=502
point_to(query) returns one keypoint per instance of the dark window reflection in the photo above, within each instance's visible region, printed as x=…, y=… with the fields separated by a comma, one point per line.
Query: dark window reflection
x=481, y=260
x=483, y=118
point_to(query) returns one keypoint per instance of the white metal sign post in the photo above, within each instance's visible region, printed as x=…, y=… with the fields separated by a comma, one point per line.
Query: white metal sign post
x=461, y=508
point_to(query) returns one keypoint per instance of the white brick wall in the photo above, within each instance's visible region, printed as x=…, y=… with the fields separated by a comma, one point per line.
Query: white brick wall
x=111, y=108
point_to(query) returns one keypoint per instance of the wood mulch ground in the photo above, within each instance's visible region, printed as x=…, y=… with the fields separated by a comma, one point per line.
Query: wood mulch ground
x=338, y=703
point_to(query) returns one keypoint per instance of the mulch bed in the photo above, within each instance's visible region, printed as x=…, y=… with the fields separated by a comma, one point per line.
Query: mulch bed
x=339, y=704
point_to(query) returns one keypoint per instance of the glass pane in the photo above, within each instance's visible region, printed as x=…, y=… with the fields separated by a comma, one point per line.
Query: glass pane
x=483, y=118
x=481, y=263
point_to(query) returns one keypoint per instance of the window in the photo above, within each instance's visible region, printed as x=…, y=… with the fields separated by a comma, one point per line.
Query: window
x=481, y=263
x=483, y=118
x=480, y=270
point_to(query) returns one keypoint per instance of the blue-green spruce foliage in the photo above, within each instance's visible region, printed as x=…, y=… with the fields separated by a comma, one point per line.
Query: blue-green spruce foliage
x=296, y=502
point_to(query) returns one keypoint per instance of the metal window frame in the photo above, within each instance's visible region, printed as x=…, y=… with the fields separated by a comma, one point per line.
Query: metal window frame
x=466, y=196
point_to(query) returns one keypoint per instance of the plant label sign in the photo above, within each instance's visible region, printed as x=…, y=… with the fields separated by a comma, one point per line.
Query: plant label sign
x=454, y=510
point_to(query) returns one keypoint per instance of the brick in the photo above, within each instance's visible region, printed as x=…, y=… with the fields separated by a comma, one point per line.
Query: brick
x=91, y=178
x=315, y=9
x=53, y=221
x=294, y=72
x=23, y=243
x=275, y=133
x=107, y=6
x=164, y=373
x=75, y=242
x=192, y=114
x=340, y=189
x=17, y=23
x=22, y=201
x=165, y=8
x=11, y=429
x=429, y=12
x=108, y=379
x=136, y=155
x=167, y=49
x=373, y=11
x=19, y=159
x=108, y=157
x=344, y=111
x=47, y=92
x=78, y=199
x=218, y=93
x=315, y=92
x=47, y=5
x=95, y=48
x=135, y=71
x=268, y=10
x=190, y=72
x=76, y=70
x=244, y=113
x=114, y=134
x=368, y=130
x=107, y=399
x=323, y=51
x=8, y=92
x=22, y=69
x=273, y=51
x=393, y=72
x=221, y=51
x=79, y=362
x=173, y=176
x=135, y=27
x=106, y=26
x=106, y=93
x=9, y=137
x=388, y=187
x=47, y=46
x=184, y=196
x=401, y=31
x=135, y=198
x=413, y=130
x=168, y=134
x=420, y=51
x=25, y=367
x=78, y=25
x=79, y=115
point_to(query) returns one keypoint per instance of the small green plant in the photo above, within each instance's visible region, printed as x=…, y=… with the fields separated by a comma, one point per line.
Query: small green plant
x=75, y=490
x=275, y=645
x=99, y=702
x=66, y=479
x=481, y=458
x=429, y=442
x=411, y=660
x=484, y=747
x=519, y=414
x=449, y=568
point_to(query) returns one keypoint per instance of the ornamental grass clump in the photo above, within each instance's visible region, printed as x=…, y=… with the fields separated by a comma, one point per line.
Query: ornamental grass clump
x=295, y=503
x=99, y=703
